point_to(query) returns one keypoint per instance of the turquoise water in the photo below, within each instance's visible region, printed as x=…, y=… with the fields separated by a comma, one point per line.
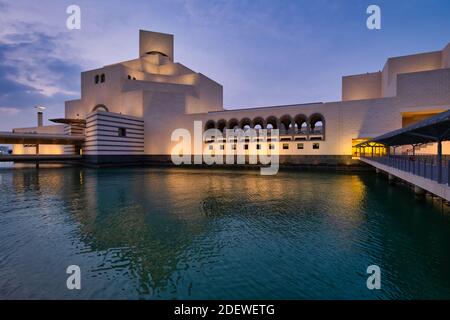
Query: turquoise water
x=149, y=233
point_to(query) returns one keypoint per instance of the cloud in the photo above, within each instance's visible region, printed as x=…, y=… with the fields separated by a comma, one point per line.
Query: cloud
x=36, y=64
x=9, y=111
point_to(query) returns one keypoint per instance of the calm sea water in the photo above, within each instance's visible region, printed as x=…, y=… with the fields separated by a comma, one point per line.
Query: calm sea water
x=149, y=233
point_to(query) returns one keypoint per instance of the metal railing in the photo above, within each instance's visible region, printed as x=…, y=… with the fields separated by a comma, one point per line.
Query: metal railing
x=423, y=166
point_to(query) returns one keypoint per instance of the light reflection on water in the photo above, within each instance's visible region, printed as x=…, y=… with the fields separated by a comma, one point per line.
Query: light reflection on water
x=181, y=233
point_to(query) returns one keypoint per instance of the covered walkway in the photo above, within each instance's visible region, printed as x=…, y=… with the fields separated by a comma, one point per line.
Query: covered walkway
x=429, y=172
x=39, y=138
x=39, y=158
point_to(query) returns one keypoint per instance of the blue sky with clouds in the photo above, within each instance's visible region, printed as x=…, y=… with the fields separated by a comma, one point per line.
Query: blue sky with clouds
x=264, y=52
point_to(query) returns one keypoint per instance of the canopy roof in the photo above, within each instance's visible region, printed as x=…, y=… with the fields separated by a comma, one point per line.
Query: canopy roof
x=69, y=121
x=432, y=129
x=39, y=138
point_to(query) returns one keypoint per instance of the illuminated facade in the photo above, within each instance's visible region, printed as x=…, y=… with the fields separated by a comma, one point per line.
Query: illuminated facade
x=128, y=111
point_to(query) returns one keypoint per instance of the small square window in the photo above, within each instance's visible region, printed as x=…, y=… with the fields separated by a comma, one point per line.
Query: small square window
x=258, y=147
x=285, y=146
x=233, y=147
x=271, y=146
x=222, y=147
x=316, y=145
x=211, y=147
x=246, y=147
x=122, y=132
x=300, y=146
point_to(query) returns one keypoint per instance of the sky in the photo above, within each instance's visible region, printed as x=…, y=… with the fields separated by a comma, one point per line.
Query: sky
x=263, y=52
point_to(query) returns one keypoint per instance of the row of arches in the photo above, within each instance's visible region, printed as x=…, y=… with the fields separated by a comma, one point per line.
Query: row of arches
x=299, y=124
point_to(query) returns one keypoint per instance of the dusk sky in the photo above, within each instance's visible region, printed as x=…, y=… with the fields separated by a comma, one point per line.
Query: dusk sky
x=263, y=52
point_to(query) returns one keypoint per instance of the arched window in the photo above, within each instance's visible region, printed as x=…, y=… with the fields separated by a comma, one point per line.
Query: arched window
x=245, y=123
x=100, y=107
x=272, y=122
x=102, y=78
x=210, y=124
x=222, y=125
x=258, y=123
x=233, y=124
x=97, y=79
x=301, y=124
x=285, y=124
x=317, y=124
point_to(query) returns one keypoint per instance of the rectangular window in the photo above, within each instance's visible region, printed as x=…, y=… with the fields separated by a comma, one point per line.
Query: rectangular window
x=285, y=146
x=211, y=147
x=258, y=147
x=316, y=145
x=246, y=147
x=271, y=146
x=122, y=132
x=222, y=147
x=300, y=146
x=233, y=147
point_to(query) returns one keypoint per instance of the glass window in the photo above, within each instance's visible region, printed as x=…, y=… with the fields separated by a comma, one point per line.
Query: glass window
x=122, y=132
x=258, y=147
x=222, y=147
x=211, y=147
x=97, y=79
x=285, y=146
x=300, y=146
x=316, y=145
x=271, y=146
x=246, y=147
x=102, y=78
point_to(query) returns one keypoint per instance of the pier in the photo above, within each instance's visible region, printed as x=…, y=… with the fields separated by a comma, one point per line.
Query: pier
x=426, y=172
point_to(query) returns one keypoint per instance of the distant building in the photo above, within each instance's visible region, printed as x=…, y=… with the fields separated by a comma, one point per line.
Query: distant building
x=129, y=110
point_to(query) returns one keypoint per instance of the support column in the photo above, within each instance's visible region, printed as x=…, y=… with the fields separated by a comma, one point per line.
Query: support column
x=37, y=154
x=391, y=179
x=439, y=161
x=418, y=191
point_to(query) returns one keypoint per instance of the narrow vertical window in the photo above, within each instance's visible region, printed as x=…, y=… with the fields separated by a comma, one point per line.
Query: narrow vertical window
x=122, y=132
